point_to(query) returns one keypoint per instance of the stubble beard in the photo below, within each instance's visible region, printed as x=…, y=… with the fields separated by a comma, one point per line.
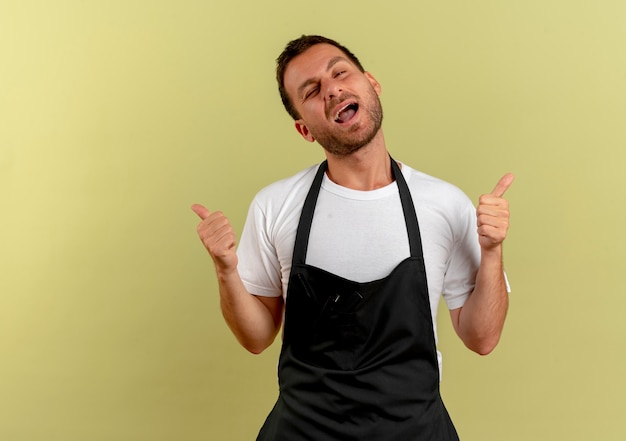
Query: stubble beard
x=342, y=142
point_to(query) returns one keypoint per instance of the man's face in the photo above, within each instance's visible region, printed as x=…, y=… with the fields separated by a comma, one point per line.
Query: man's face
x=337, y=103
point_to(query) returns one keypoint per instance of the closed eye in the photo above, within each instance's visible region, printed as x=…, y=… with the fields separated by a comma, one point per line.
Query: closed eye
x=310, y=93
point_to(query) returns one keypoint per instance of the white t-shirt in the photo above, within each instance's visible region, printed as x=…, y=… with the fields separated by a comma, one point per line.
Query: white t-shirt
x=361, y=235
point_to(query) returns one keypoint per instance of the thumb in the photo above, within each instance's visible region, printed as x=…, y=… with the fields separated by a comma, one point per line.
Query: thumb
x=201, y=211
x=503, y=185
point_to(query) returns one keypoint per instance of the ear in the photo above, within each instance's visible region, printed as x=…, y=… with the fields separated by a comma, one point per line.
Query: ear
x=375, y=84
x=303, y=130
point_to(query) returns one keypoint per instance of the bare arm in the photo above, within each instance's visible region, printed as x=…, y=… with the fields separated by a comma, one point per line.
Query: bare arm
x=480, y=320
x=254, y=320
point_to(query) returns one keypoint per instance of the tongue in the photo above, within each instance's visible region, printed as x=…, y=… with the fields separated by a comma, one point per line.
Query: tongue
x=345, y=115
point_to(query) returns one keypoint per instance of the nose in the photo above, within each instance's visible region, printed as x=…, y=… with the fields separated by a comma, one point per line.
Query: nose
x=333, y=89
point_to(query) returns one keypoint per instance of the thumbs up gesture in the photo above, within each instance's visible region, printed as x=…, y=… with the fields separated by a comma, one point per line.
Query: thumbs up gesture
x=218, y=237
x=493, y=215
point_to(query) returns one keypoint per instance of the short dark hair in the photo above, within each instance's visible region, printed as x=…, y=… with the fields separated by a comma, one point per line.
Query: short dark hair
x=295, y=48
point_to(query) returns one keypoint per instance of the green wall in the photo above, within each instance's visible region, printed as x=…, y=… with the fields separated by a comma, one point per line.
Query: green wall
x=116, y=116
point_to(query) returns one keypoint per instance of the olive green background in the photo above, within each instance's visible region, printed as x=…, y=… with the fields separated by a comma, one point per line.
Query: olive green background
x=116, y=116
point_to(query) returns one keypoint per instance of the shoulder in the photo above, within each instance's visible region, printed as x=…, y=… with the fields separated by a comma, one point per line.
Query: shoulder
x=286, y=190
x=278, y=205
x=442, y=208
x=427, y=188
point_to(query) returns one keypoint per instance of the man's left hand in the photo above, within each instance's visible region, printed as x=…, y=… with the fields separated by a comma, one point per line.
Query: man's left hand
x=493, y=215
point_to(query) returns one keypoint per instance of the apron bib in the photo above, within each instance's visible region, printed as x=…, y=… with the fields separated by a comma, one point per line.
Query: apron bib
x=358, y=360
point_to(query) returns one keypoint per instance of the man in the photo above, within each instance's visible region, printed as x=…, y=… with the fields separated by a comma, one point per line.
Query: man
x=355, y=255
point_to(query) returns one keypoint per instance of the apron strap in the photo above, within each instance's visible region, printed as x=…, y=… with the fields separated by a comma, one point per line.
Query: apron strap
x=410, y=216
x=306, y=217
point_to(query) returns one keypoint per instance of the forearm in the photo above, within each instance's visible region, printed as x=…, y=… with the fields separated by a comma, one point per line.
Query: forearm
x=480, y=321
x=254, y=325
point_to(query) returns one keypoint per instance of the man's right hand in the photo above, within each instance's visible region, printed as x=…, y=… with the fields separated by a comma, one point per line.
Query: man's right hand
x=218, y=238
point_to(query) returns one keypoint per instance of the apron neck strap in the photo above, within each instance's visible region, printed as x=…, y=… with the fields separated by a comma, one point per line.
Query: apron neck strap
x=306, y=217
x=410, y=216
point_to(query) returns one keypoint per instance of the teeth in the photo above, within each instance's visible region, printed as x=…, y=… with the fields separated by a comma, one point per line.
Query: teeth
x=341, y=110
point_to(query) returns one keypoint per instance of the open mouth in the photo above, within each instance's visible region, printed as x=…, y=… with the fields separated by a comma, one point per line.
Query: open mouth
x=346, y=113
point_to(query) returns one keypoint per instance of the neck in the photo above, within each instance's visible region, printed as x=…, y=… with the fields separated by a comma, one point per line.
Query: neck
x=366, y=169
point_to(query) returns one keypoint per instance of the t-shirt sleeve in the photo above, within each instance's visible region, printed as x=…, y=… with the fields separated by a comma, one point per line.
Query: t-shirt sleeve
x=259, y=266
x=460, y=277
